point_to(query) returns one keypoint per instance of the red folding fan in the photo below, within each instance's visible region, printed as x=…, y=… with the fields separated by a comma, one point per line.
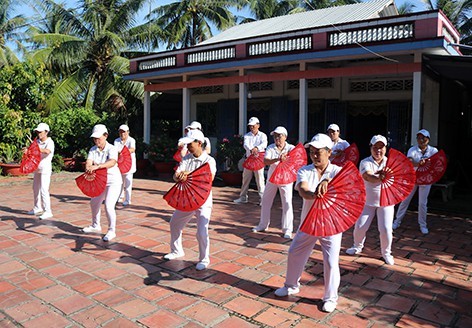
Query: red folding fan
x=92, y=184
x=433, y=169
x=286, y=171
x=178, y=155
x=124, y=160
x=31, y=158
x=351, y=153
x=255, y=162
x=192, y=193
x=399, y=179
x=340, y=207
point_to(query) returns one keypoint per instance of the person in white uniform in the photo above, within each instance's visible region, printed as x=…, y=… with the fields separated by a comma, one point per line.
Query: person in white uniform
x=196, y=158
x=418, y=155
x=312, y=182
x=126, y=140
x=371, y=169
x=104, y=155
x=197, y=126
x=276, y=153
x=339, y=145
x=255, y=141
x=42, y=175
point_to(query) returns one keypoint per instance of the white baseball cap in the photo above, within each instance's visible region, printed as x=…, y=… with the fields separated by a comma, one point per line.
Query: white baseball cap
x=320, y=141
x=194, y=125
x=98, y=131
x=280, y=130
x=253, y=121
x=191, y=136
x=123, y=127
x=42, y=127
x=333, y=127
x=378, y=138
x=424, y=132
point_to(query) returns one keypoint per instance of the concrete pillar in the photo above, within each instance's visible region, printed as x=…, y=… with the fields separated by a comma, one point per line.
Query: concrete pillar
x=416, y=106
x=242, y=127
x=147, y=117
x=303, y=108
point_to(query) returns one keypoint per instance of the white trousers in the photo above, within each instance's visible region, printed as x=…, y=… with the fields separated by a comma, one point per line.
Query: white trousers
x=110, y=196
x=299, y=253
x=177, y=223
x=423, y=192
x=42, y=198
x=247, y=176
x=384, y=223
x=270, y=191
x=127, y=186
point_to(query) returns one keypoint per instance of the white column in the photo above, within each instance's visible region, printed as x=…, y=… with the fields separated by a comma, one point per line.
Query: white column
x=303, y=108
x=242, y=106
x=416, y=106
x=147, y=117
x=185, y=107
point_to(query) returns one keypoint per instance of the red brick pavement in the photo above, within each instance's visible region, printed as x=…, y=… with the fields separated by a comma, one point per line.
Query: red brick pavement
x=53, y=275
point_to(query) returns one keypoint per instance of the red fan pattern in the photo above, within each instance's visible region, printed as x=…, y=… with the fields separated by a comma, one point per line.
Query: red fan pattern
x=351, y=153
x=178, y=155
x=255, y=162
x=124, y=160
x=399, y=179
x=31, y=158
x=340, y=207
x=92, y=184
x=286, y=171
x=433, y=169
x=192, y=193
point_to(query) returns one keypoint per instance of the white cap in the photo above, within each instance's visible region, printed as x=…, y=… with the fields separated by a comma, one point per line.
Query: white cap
x=320, y=141
x=378, y=138
x=253, y=121
x=280, y=130
x=333, y=127
x=194, y=126
x=42, y=127
x=424, y=132
x=98, y=131
x=191, y=136
x=123, y=127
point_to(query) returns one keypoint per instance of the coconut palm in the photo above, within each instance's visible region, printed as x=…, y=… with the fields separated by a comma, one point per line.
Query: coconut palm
x=9, y=32
x=406, y=8
x=320, y=4
x=263, y=9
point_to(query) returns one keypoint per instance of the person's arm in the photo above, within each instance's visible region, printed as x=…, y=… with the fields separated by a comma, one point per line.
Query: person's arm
x=370, y=176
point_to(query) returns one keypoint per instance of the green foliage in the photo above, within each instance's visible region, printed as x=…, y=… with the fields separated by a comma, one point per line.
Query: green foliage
x=57, y=163
x=229, y=152
x=162, y=149
x=9, y=153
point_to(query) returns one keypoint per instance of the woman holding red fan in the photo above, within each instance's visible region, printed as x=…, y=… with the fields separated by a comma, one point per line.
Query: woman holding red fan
x=419, y=156
x=372, y=170
x=339, y=145
x=104, y=155
x=196, y=158
x=42, y=175
x=276, y=153
x=125, y=140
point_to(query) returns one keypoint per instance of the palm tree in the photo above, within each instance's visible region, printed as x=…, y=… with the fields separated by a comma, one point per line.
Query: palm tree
x=320, y=4
x=87, y=48
x=406, y=8
x=9, y=31
x=263, y=9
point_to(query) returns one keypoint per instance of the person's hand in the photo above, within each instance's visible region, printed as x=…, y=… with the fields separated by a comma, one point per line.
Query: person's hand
x=92, y=168
x=283, y=157
x=382, y=174
x=254, y=151
x=322, y=188
x=181, y=176
x=423, y=161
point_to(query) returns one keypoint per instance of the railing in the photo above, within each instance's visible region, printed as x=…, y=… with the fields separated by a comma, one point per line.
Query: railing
x=157, y=63
x=211, y=55
x=376, y=34
x=277, y=46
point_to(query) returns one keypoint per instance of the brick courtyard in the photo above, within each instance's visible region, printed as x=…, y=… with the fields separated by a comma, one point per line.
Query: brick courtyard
x=53, y=275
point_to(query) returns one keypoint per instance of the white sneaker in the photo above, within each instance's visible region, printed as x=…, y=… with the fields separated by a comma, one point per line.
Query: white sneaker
x=257, y=229
x=353, y=250
x=201, y=266
x=33, y=212
x=285, y=291
x=172, y=256
x=241, y=200
x=424, y=230
x=90, y=229
x=329, y=306
x=126, y=203
x=109, y=236
x=45, y=216
x=396, y=224
x=288, y=235
x=389, y=259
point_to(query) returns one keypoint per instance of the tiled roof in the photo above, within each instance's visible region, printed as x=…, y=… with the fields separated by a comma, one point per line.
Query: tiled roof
x=306, y=20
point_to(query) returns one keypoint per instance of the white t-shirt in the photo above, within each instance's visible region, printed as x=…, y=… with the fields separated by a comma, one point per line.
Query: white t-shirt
x=250, y=141
x=101, y=156
x=45, y=165
x=372, y=189
x=338, y=146
x=308, y=174
x=191, y=163
x=273, y=152
x=417, y=155
x=130, y=142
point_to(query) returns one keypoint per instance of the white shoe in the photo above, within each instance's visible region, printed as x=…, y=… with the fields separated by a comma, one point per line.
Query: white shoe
x=241, y=200
x=90, y=229
x=329, y=306
x=172, y=256
x=201, y=266
x=389, y=259
x=109, y=236
x=126, y=203
x=257, y=229
x=353, y=250
x=45, y=216
x=288, y=235
x=33, y=212
x=424, y=230
x=396, y=224
x=285, y=291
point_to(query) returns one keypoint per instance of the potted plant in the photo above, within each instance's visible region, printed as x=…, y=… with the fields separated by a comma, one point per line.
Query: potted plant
x=161, y=152
x=229, y=153
x=10, y=158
